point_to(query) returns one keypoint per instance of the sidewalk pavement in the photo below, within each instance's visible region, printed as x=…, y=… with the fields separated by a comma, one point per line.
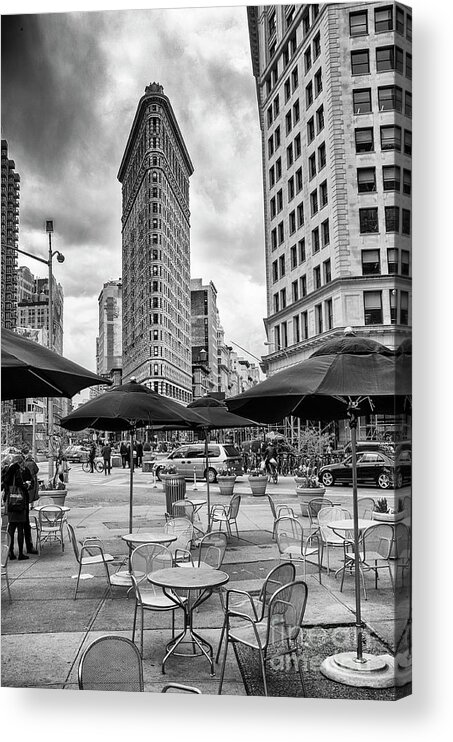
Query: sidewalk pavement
x=45, y=631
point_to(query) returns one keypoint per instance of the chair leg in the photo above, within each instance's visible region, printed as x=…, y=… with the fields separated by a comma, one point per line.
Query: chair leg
x=134, y=623
x=77, y=583
x=141, y=634
x=225, y=651
x=220, y=642
x=263, y=670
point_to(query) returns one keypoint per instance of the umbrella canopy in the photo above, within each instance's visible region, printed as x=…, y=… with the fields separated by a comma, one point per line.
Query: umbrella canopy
x=344, y=378
x=31, y=370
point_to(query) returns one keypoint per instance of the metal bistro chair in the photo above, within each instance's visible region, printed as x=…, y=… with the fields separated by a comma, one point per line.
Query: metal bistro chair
x=111, y=663
x=365, y=507
x=226, y=514
x=374, y=551
x=90, y=554
x=282, y=624
x=5, y=556
x=291, y=544
x=280, y=575
x=315, y=505
x=277, y=512
x=49, y=525
x=182, y=528
x=146, y=559
x=211, y=552
x=328, y=538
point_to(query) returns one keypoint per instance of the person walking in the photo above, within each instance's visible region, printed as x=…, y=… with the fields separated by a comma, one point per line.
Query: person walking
x=123, y=454
x=15, y=488
x=139, y=449
x=91, y=457
x=106, y=455
x=30, y=474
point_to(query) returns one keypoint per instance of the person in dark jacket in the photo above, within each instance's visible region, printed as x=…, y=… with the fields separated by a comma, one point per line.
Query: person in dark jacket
x=13, y=482
x=30, y=474
x=123, y=454
x=106, y=455
x=139, y=449
x=91, y=458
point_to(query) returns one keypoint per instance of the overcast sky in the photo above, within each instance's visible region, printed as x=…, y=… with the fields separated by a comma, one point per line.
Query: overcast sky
x=71, y=83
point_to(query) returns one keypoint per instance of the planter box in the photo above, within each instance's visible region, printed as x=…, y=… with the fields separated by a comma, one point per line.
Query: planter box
x=58, y=497
x=116, y=461
x=226, y=485
x=258, y=485
x=388, y=517
x=305, y=494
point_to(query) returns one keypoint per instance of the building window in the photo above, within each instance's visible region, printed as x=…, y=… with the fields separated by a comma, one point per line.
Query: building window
x=300, y=215
x=291, y=188
x=393, y=306
x=372, y=301
x=310, y=130
x=283, y=298
x=282, y=265
x=299, y=182
x=284, y=335
x=400, y=21
x=405, y=221
x=307, y=59
x=271, y=24
x=276, y=105
x=295, y=290
x=297, y=146
x=392, y=261
x=321, y=156
x=404, y=308
x=276, y=303
x=314, y=202
x=318, y=82
x=371, y=262
x=360, y=62
x=391, y=138
x=318, y=315
x=392, y=219
x=409, y=27
x=296, y=329
x=408, y=104
x=361, y=100
x=288, y=121
x=304, y=325
x=277, y=137
x=409, y=66
x=317, y=277
x=279, y=201
x=278, y=169
x=364, y=140
x=327, y=271
x=404, y=262
x=368, y=221
x=317, y=46
x=274, y=239
x=320, y=119
x=287, y=90
x=329, y=314
x=325, y=233
x=315, y=240
x=281, y=233
x=271, y=177
x=391, y=177
x=407, y=182
x=274, y=271
x=358, y=23
x=390, y=98
x=383, y=19
x=295, y=78
x=273, y=212
x=407, y=142
x=323, y=194
x=301, y=250
x=306, y=21
x=309, y=95
x=293, y=257
x=296, y=112
x=312, y=166
x=303, y=285
x=292, y=222
x=389, y=58
x=270, y=146
x=277, y=337
x=289, y=155
x=366, y=179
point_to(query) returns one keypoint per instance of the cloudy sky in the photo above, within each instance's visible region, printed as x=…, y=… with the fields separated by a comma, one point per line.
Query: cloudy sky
x=71, y=83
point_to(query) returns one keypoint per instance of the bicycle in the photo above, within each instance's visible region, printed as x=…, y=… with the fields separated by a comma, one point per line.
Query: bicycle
x=97, y=466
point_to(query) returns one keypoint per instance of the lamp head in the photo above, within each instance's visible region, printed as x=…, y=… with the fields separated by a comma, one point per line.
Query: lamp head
x=60, y=257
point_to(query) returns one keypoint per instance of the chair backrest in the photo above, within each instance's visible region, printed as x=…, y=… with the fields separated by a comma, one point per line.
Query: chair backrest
x=212, y=549
x=233, y=507
x=378, y=539
x=326, y=515
x=289, y=534
x=74, y=543
x=286, y=612
x=183, y=509
x=50, y=516
x=272, y=506
x=182, y=528
x=148, y=558
x=402, y=540
x=317, y=504
x=111, y=663
x=45, y=501
x=365, y=507
x=281, y=575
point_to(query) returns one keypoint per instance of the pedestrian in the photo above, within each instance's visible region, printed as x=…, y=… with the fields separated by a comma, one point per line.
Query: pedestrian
x=91, y=457
x=31, y=475
x=15, y=495
x=106, y=455
x=128, y=449
x=139, y=449
x=123, y=454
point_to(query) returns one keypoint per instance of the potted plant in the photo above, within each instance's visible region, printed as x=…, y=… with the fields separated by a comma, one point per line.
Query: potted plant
x=300, y=477
x=170, y=472
x=258, y=482
x=386, y=514
x=226, y=479
x=309, y=488
x=54, y=490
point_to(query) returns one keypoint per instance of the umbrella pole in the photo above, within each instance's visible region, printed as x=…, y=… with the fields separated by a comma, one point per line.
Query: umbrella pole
x=208, y=494
x=131, y=477
x=355, y=516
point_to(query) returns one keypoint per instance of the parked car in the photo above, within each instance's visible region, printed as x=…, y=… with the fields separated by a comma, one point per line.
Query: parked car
x=191, y=458
x=76, y=454
x=384, y=446
x=373, y=467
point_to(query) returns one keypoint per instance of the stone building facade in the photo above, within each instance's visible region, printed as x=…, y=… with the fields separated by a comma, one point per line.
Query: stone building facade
x=10, y=238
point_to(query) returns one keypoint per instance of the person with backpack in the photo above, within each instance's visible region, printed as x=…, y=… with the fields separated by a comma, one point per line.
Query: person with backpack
x=15, y=488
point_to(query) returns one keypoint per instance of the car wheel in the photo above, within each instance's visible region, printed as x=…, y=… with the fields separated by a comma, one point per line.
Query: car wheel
x=158, y=474
x=212, y=476
x=383, y=481
x=327, y=478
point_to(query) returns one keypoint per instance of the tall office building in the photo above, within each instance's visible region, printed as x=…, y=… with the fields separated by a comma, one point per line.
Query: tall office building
x=204, y=318
x=33, y=305
x=109, y=341
x=334, y=96
x=10, y=238
x=154, y=174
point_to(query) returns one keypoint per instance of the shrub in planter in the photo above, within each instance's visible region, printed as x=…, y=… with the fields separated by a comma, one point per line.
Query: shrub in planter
x=226, y=479
x=257, y=481
x=385, y=514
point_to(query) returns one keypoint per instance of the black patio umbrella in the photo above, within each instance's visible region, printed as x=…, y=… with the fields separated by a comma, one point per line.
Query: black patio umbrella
x=31, y=370
x=214, y=416
x=345, y=378
x=127, y=407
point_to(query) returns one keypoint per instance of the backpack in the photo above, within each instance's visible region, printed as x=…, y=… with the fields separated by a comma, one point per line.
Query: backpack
x=16, y=500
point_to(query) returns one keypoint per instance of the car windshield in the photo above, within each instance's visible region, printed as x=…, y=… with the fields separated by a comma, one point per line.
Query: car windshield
x=231, y=451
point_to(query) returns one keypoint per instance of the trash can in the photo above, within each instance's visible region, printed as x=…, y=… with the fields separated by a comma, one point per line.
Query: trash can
x=175, y=489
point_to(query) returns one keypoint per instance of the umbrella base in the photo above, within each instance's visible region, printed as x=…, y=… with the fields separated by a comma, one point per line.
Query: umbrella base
x=121, y=579
x=374, y=672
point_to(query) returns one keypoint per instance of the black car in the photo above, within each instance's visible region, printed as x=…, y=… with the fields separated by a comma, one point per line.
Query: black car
x=373, y=467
